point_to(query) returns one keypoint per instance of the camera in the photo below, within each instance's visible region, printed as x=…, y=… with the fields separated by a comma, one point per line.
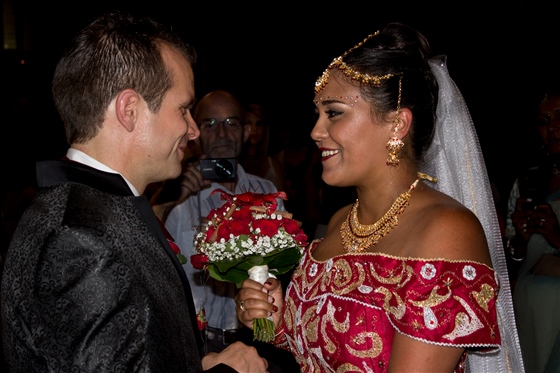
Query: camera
x=218, y=168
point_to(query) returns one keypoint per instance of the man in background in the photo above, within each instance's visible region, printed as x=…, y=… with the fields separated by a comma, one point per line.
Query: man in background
x=221, y=118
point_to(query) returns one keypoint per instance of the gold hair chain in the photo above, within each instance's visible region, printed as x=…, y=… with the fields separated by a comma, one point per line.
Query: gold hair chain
x=339, y=64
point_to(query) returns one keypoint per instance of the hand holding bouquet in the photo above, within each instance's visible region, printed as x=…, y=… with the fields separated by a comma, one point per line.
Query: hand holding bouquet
x=246, y=237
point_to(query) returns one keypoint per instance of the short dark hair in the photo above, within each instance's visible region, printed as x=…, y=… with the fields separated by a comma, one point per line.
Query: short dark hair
x=114, y=52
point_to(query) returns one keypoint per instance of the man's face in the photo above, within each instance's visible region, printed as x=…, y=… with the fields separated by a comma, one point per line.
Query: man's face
x=164, y=135
x=223, y=139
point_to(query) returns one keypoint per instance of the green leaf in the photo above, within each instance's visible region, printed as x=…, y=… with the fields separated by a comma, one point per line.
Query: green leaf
x=235, y=275
x=283, y=261
x=182, y=258
x=236, y=271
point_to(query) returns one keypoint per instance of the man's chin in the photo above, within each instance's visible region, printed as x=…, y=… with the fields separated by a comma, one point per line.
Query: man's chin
x=174, y=171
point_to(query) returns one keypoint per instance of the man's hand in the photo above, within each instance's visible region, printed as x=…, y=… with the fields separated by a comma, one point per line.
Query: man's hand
x=239, y=356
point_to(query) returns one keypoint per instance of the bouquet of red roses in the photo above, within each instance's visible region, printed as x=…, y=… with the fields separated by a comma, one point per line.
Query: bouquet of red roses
x=248, y=238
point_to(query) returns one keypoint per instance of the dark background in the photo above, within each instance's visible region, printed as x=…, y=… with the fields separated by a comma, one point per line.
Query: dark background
x=498, y=54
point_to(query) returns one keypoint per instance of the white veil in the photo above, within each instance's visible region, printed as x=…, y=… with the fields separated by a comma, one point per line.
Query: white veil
x=456, y=159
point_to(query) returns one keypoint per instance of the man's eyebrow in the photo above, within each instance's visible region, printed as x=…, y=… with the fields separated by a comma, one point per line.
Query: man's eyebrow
x=189, y=104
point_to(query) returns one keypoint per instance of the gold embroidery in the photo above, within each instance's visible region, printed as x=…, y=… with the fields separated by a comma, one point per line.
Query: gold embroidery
x=485, y=295
x=399, y=310
x=313, y=330
x=347, y=367
x=343, y=277
x=322, y=333
x=288, y=320
x=341, y=327
x=434, y=299
x=359, y=320
x=464, y=326
x=306, y=319
x=360, y=339
x=329, y=345
x=392, y=279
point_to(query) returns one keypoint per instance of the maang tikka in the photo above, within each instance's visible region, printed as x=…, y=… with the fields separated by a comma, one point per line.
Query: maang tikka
x=338, y=63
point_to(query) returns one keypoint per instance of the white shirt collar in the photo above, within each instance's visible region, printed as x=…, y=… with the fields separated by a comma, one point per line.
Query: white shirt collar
x=81, y=157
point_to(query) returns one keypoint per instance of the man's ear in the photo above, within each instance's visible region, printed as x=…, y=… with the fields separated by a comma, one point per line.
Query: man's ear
x=127, y=107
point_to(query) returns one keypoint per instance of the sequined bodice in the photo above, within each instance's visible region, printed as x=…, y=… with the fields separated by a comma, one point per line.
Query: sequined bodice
x=342, y=314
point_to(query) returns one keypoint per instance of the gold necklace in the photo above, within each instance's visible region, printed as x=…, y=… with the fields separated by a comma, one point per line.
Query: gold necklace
x=357, y=237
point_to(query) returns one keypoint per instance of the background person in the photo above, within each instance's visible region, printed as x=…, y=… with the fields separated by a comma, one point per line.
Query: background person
x=221, y=119
x=255, y=156
x=90, y=281
x=533, y=241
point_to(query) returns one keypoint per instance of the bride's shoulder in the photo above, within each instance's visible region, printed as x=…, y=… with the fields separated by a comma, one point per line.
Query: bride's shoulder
x=447, y=229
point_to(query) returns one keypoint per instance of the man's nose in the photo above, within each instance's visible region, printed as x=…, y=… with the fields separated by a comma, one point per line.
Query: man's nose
x=221, y=129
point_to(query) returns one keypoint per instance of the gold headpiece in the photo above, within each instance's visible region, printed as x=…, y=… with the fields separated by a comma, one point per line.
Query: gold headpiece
x=339, y=64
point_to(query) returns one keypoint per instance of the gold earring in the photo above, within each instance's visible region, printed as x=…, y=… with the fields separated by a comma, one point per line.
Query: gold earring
x=395, y=146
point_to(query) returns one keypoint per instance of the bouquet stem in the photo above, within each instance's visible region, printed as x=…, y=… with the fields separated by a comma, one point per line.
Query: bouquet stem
x=263, y=329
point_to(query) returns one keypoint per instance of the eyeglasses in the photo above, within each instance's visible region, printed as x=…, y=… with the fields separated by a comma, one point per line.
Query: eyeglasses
x=211, y=125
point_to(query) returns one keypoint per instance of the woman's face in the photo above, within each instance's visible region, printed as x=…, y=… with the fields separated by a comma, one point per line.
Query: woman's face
x=548, y=122
x=351, y=142
x=256, y=126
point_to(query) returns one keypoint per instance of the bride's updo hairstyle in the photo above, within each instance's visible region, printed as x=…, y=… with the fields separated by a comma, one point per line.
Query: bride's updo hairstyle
x=391, y=68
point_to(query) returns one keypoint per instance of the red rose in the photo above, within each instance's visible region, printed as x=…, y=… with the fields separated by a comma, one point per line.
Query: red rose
x=268, y=227
x=244, y=214
x=218, y=212
x=248, y=199
x=301, y=238
x=223, y=231
x=291, y=226
x=253, y=199
x=209, y=233
x=201, y=319
x=198, y=261
x=238, y=227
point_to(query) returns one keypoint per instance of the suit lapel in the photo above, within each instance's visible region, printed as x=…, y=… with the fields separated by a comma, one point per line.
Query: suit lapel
x=145, y=209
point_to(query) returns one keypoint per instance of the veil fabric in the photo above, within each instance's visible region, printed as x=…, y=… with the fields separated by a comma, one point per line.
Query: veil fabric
x=455, y=158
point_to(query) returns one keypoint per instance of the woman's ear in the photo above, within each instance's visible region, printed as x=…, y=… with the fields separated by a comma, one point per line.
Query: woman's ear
x=404, y=122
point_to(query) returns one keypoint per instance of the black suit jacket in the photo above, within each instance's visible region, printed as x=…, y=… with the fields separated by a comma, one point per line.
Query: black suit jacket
x=90, y=282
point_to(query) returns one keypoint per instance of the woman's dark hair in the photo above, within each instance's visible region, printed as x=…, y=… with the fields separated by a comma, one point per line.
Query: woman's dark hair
x=114, y=52
x=403, y=52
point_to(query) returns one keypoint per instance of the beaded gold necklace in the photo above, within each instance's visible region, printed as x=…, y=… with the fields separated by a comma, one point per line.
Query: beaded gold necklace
x=358, y=237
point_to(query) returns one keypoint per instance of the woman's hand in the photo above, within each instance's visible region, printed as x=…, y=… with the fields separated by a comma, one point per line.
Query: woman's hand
x=256, y=301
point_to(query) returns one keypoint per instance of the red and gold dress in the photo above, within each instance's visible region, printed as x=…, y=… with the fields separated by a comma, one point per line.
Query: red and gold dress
x=342, y=314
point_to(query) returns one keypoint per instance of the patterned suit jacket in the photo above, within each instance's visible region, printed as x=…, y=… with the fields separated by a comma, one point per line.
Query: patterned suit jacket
x=90, y=282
